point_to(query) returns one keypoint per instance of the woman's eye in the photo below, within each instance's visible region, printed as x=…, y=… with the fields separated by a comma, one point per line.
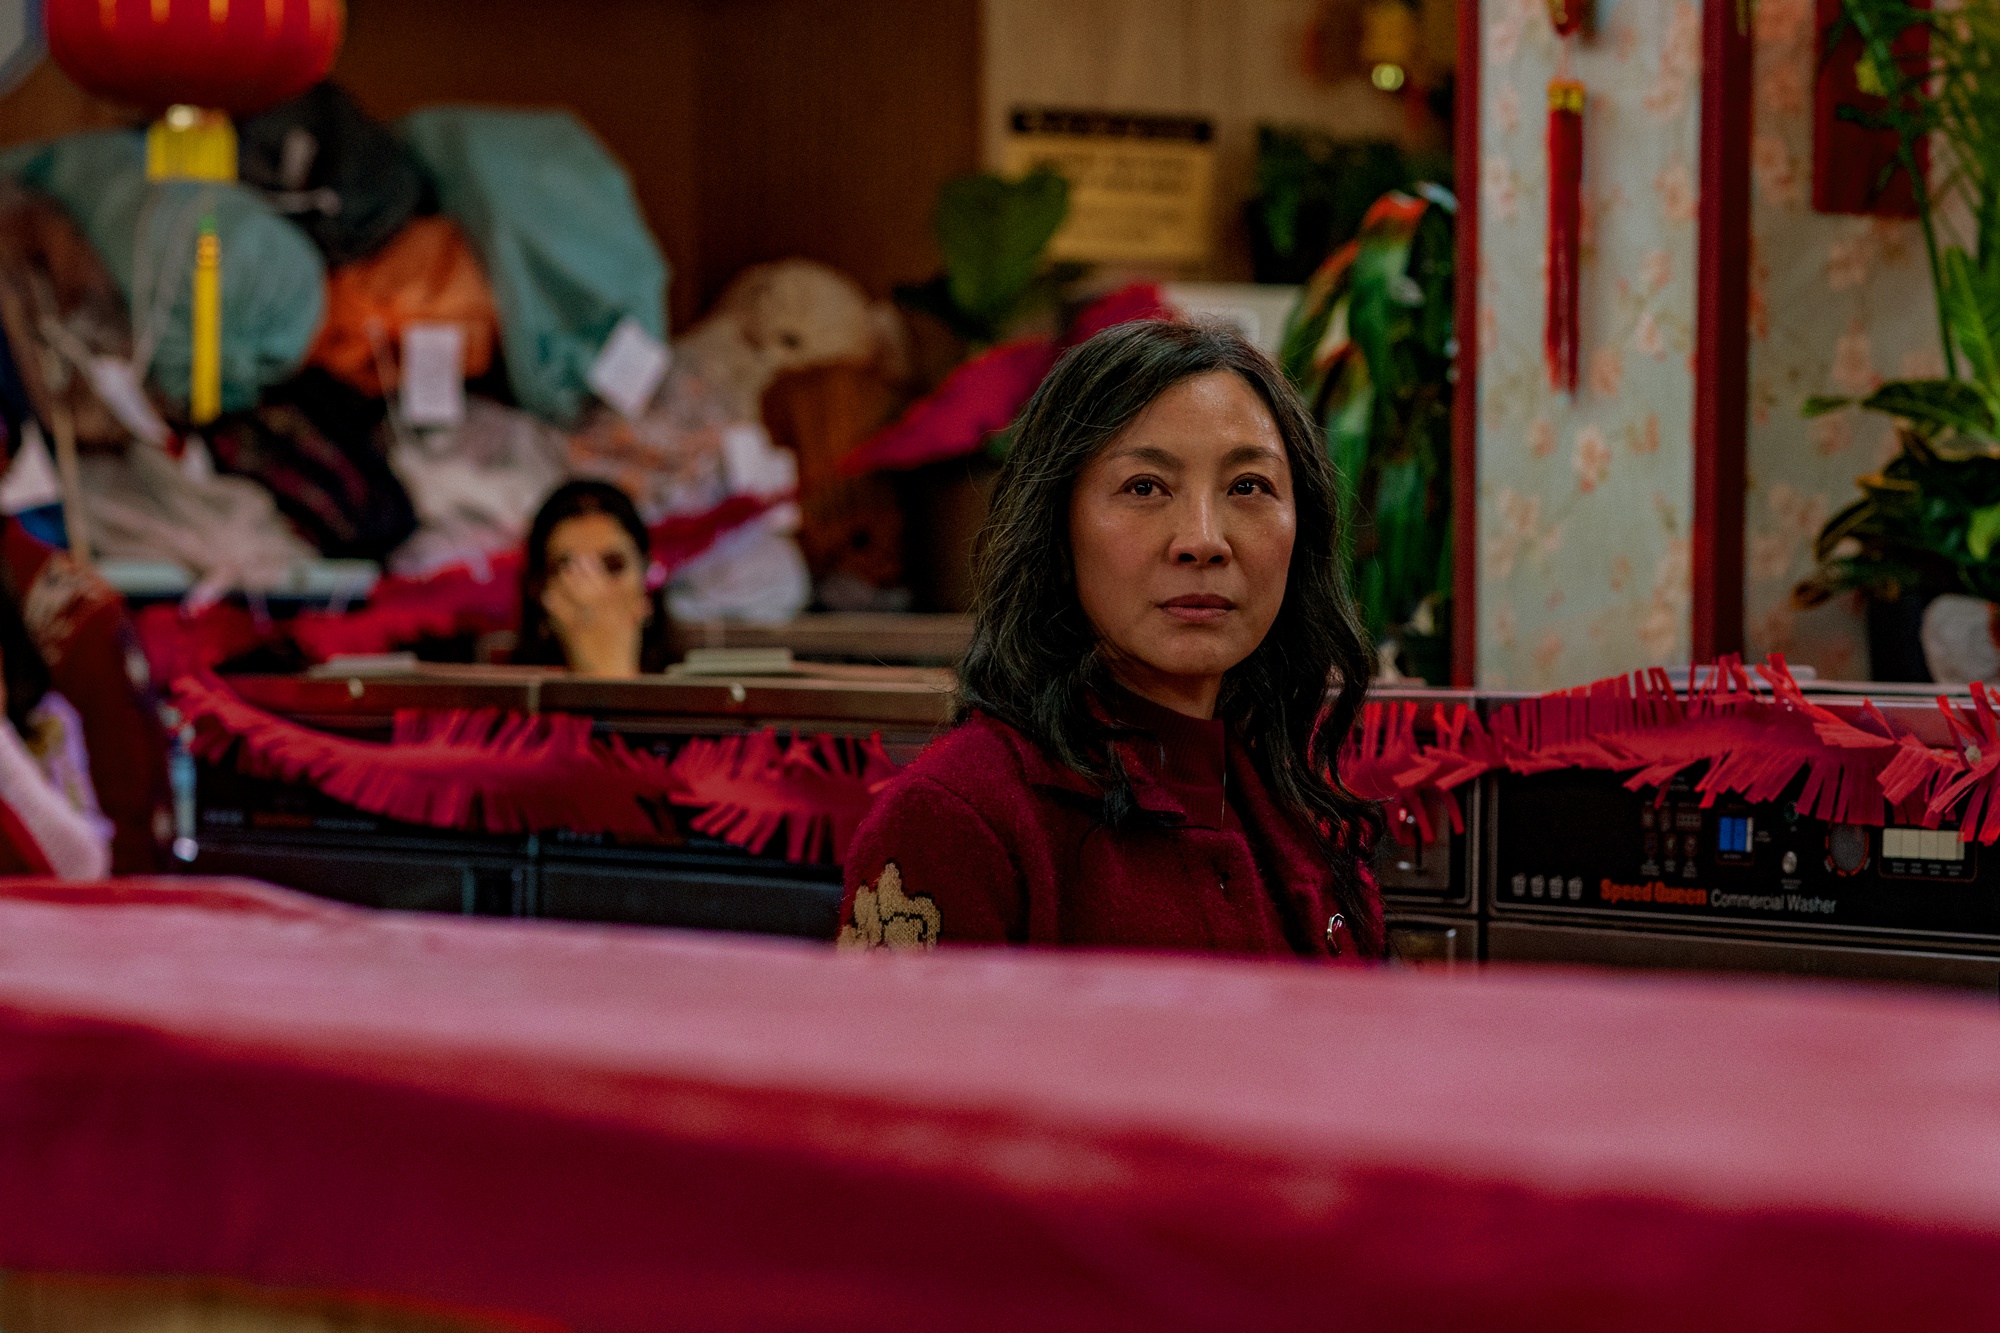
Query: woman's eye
x=1249, y=486
x=615, y=564
x=1143, y=486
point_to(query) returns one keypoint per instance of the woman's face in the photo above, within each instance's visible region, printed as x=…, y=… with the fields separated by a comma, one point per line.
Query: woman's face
x=600, y=543
x=595, y=595
x=1181, y=530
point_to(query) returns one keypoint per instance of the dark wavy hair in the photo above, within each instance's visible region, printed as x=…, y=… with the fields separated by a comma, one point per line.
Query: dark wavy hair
x=1034, y=662
x=21, y=666
x=538, y=644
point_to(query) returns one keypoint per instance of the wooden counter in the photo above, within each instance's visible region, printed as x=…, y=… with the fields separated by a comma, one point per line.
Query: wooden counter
x=838, y=698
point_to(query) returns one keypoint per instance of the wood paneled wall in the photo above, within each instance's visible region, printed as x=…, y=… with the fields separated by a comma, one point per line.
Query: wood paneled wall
x=1238, y=62
x=627, y=67
x=826, y=127
x=753, y=129
x=757, y=129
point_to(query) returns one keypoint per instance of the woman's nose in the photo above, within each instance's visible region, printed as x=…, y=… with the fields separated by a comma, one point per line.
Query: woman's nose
x=1198, y=538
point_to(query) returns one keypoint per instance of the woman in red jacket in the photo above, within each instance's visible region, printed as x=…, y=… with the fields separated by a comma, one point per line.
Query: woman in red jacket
x=1144, y=750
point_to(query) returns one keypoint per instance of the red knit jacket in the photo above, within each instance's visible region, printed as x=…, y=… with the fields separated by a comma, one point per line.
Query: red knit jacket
x=986, y=840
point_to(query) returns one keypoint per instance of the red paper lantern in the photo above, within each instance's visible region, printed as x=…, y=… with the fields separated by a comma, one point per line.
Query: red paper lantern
x=240, y=56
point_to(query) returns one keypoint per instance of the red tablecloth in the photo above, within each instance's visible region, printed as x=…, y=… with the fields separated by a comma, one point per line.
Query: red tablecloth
x=627, y=1130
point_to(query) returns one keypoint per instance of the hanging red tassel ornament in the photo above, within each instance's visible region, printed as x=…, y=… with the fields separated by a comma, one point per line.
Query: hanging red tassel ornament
x=1560, y=333
x=1568, y=15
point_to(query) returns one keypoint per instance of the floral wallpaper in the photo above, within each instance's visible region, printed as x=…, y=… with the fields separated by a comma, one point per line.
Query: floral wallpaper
x=1837, y=305
x=1584, y=501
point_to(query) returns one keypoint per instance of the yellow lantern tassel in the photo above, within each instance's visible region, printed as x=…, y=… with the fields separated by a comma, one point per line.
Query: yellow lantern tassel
x=205, y=387
x=190, y=144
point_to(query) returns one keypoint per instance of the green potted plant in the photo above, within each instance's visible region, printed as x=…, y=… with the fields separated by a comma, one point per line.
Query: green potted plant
x=1370, y=347
x=1929, y=522
x=1309, y=195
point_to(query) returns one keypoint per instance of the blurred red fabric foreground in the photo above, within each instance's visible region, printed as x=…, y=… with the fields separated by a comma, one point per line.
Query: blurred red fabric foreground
x=636, y=1130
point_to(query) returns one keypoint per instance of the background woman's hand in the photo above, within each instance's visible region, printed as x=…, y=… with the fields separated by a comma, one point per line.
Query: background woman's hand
x=599, y=615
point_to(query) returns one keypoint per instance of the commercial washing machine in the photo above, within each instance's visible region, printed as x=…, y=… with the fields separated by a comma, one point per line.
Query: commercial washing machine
x=1578, y=869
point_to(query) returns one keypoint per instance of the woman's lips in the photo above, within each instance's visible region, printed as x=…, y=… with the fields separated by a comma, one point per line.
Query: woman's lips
x=1198, y=609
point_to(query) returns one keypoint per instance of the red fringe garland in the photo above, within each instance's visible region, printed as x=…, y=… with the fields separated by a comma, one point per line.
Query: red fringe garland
x=493, y=772
x=404, y=611
x=482, y=771
x=750, y=786
x=1972, y=775
x=1560, y=332
x=1384, y=761
x=1755, y=743
x=504, y=773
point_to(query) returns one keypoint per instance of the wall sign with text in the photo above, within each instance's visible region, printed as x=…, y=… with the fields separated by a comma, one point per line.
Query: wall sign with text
x=1142, y=188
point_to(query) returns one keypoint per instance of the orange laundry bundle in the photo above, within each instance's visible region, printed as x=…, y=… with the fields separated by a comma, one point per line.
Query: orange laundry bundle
x=428, y=273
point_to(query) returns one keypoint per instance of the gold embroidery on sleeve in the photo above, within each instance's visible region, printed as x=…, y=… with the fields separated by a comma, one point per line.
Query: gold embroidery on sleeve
x=884, y=918
x=63, y=594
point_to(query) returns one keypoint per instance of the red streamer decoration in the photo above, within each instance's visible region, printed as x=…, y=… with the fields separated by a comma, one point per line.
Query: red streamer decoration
x=751, y=786
x=1756, y=740
x=478, y=771
x=505, y=773
x=1561, y=333
x=1754, y=744
x=1974, y=778
x=491, y=772
x=1384, y=760
x=178, y=644
x=983, y=396
x=403, y=611
x=976, y=399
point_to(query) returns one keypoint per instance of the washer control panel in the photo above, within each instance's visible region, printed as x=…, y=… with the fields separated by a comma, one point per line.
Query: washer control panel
x=1579, y=841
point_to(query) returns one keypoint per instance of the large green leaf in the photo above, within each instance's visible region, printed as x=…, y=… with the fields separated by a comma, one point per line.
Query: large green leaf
x=1386, y=407
x=1434, y=266
x=1971, y=299
x=1349, y=418
x=1842, y=526
x=1322, y=301
x=1933, y=404
x=992, y=232
x=1982, y=531
x=1382, y=305
x=1403, y=538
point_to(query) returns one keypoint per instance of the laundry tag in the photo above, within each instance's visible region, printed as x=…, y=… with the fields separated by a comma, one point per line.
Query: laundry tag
x=629, y=368
x=752, y=465
x=117, y=386
x=433, y=374
x=31, y=481
x=195, y=464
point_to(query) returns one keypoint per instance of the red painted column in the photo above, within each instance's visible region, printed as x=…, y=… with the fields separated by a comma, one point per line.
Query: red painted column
x=1722, y=333
x=1465, y=400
